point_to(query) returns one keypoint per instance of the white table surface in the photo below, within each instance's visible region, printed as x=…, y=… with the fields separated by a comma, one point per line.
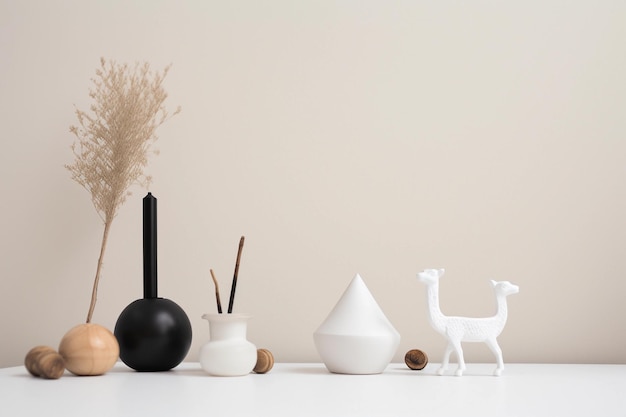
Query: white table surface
x=300, y=389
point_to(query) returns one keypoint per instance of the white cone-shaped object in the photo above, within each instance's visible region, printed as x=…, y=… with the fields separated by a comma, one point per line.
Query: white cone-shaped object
x=356, y=337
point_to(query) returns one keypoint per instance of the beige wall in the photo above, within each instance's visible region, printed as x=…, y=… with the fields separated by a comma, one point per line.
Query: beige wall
x=339, y=137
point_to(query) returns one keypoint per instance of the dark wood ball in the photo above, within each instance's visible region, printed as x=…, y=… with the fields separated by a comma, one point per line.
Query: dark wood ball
x=416, y=359
x=51, y=365
x=45, y=362
x=31, y=361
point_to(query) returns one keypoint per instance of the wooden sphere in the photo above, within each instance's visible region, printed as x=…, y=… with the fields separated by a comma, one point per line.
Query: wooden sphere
x=89, y=349
x=264, y=361
x=31, y=361
x=45, y=362
x=51, y=365
x=416, y=359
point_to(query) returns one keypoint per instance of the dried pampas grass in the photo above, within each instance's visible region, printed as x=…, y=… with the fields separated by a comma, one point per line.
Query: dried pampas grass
x=113, y=140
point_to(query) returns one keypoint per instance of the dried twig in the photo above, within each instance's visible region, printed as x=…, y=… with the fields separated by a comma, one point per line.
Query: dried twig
x=234, y=285
x=217, y=293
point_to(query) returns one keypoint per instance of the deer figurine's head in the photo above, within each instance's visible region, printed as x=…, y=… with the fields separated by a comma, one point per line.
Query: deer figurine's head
x=430, y=276
x=504, y=287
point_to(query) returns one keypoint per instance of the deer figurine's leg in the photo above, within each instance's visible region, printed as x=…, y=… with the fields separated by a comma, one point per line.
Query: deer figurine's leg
x=459, y=353
x=446, y=359
x=495, y=348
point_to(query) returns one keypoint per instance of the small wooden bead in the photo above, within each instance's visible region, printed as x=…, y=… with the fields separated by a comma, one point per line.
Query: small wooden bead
x=51, y=365
x=416, y=359
x=31, y=361
x=264, y=361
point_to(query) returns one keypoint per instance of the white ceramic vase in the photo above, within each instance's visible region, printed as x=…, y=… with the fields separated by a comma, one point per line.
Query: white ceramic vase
x=356, y=337
x=228, y=352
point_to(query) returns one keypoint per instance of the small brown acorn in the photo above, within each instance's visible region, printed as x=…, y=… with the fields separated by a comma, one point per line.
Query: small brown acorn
x=416, y=359
x=264, y=361
x=45, y=362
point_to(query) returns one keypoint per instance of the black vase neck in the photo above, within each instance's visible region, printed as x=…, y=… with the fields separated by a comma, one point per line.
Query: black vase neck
x=149, y=246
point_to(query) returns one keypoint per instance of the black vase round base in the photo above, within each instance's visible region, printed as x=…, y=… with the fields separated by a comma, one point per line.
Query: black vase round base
x=154, y=334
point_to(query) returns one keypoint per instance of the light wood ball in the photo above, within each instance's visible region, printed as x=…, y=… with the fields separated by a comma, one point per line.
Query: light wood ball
x=264, y=361
x=89, y=349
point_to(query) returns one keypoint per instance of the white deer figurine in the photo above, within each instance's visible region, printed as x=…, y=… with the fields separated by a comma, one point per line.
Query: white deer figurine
x=464, y=329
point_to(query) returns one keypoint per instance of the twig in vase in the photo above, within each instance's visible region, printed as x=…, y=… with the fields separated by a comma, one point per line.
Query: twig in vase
x=234, y=285
x=217, y=293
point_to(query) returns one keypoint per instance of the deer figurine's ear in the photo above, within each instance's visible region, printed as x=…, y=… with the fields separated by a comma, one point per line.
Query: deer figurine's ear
x=493, y=283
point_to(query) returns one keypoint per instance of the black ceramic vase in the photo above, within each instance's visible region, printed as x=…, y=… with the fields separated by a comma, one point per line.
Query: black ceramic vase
x=154, y=333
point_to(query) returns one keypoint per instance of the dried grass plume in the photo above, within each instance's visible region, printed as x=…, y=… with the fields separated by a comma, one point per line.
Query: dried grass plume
x=113, y=140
